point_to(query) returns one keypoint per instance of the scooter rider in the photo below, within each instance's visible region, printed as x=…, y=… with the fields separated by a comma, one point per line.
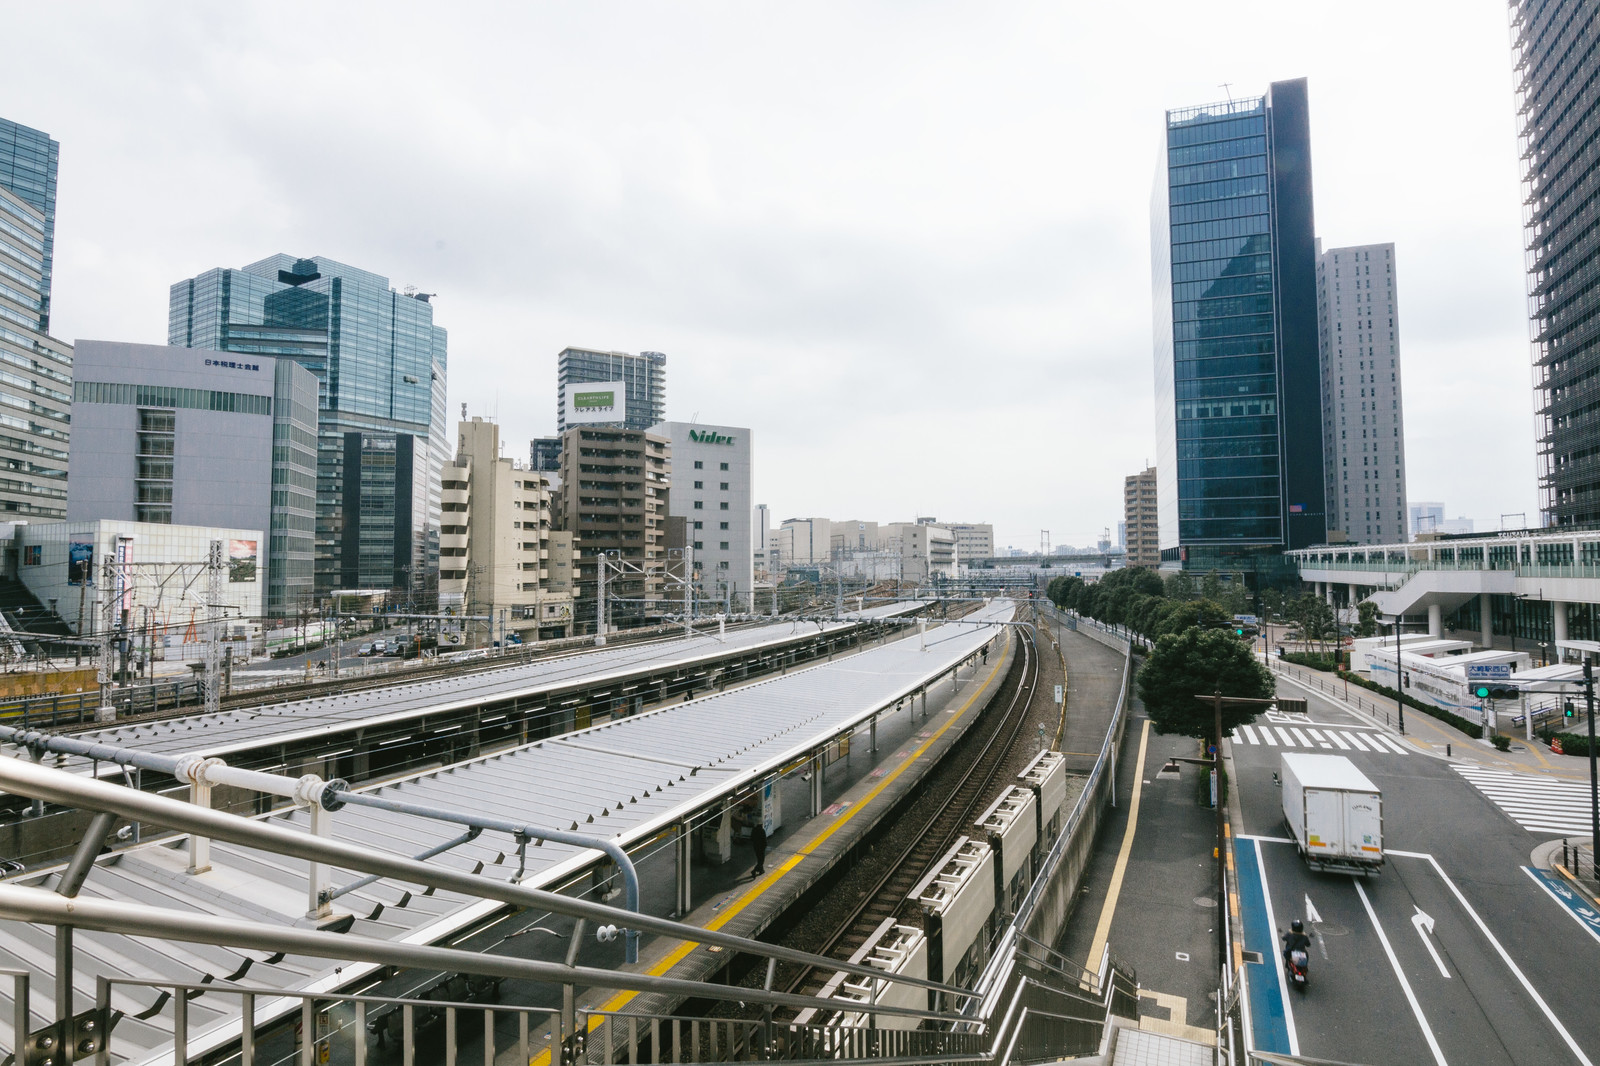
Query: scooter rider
x=1295, y=940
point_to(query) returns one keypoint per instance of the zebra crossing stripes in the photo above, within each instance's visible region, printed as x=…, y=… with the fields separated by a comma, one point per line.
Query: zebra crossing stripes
x=1319, y=738
x=1538, y=804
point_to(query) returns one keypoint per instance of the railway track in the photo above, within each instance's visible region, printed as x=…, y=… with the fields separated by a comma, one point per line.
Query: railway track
x=923, y=837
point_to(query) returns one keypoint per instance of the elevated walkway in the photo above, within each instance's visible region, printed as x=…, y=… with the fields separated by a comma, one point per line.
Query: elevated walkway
x=1448, y=590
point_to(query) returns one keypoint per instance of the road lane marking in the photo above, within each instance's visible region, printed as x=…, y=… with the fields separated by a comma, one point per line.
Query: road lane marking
x=1265, y=840
x=1250, y=733
x=1527, y=986
x=1405, y=986
x=1582, y=913
x=1284, y=733
x=1537, y=804
x=1333, y=735
x=1102, y=929
x=1305, y=741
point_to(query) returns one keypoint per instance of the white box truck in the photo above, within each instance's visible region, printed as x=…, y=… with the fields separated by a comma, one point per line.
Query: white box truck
x=1334, y=813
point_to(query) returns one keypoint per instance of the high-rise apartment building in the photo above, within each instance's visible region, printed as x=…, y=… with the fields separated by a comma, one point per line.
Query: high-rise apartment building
x=1141, y=522
x=644, y=384
x=499, y=552
x=1363, y=418
x=36, y=385
x=1556, y=54
x=613, y=499
x=712, y=491
x=1239, y=467
x=192, y=437
x=380, y=363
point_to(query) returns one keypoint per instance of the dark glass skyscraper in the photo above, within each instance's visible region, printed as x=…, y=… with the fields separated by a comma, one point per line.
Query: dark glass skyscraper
x=380, y=364
x=1556, y=51
x=1238, y=391
x=36, y=383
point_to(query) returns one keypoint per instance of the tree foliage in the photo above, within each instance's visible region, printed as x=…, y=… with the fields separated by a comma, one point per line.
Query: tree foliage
x=1200, y=662
x=1145, y=603
x=1367, y=622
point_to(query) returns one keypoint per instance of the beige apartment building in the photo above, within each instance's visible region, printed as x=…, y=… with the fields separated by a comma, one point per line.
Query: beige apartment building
x=500, y=554
x=1139, y=512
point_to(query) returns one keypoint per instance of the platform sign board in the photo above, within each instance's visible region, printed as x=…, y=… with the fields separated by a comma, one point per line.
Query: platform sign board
x=1488, y=671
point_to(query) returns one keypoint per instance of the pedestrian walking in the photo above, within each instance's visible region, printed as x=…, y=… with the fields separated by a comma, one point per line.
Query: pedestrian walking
x=758, y=840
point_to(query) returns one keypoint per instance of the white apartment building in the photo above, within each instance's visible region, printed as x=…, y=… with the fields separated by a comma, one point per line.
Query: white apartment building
x=803, y=541
x=1363, y=423
x=713, y=473
x=498, y=553
x=926, y=551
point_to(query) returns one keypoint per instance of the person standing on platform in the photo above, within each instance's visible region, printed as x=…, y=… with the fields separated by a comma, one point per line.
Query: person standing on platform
x=758, y=839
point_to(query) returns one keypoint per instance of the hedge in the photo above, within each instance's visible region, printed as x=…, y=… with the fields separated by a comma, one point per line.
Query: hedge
x=1471, y=729
x=1325, y=663
x=1572, y=743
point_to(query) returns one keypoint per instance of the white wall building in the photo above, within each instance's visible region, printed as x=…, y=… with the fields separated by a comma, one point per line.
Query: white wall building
x=803, y=541
x=974, y=540
x=713, y=474
x=1363, y=423
x=926, y=551
x=160, y=579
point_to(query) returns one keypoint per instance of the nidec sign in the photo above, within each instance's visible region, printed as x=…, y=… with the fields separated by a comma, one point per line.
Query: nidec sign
x=709, y=438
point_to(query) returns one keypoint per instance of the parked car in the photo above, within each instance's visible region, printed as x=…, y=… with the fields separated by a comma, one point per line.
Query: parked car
x=380, y=647
x=364, y=650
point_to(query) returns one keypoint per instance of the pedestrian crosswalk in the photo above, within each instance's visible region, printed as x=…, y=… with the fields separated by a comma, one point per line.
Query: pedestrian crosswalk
x=1319, y=738
x=1538, y=804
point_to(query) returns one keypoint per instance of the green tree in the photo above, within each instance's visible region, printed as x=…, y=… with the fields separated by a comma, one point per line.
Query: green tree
x=1211, y=586
x=1271, y=603
x=1315, y=619
x=1197, y=663
x=1180, y=586
x=1367, y=624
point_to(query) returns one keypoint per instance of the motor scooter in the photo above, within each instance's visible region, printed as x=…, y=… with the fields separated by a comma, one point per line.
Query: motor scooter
x=1296, y=968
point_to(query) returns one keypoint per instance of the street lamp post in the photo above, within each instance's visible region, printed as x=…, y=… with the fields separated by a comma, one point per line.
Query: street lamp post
x=1594, y=777
x=1399, y=688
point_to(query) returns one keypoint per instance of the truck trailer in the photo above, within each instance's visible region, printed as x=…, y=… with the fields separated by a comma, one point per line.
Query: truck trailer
x=1334, y=813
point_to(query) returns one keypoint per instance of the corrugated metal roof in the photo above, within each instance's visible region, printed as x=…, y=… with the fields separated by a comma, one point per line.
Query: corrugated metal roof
x=251, y=727
x=626, y=779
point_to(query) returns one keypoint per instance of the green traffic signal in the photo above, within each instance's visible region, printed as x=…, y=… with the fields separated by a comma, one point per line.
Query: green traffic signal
x=1568, y=710
x=1482, y=692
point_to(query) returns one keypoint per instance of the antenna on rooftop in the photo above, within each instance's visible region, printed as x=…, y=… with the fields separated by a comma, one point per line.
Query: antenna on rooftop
x=1227, y=87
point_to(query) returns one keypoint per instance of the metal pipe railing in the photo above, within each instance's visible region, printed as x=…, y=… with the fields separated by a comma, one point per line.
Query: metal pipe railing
x=58, y=786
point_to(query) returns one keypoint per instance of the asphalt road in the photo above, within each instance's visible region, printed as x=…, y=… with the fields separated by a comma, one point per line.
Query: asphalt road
x=321, y=655
x=1453, y=954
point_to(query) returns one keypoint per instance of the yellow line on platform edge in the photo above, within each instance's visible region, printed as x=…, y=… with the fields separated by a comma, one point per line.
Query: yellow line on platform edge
x=754, y=892
x=1102, y=929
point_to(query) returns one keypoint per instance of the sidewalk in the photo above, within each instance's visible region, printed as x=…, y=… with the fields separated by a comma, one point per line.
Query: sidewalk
x=1428, y=734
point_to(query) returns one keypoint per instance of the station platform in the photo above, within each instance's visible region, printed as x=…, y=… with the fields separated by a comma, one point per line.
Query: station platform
x=860, y=789
x=662, y=784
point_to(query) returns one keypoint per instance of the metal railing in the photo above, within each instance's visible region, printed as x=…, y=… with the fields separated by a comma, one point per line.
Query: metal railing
x=78, y=708
x=624, y=1037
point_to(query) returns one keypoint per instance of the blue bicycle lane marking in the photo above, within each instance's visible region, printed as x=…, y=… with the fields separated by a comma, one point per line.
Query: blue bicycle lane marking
x=1586, y=913
x=1267, y=1021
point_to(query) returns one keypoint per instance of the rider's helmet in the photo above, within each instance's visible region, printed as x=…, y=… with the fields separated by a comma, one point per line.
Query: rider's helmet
x=1298, y=926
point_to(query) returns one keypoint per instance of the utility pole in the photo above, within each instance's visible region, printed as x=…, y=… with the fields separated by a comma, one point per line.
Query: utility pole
x=106, y=712
x=1594, y=778
x=214, y=620
x=600, y=601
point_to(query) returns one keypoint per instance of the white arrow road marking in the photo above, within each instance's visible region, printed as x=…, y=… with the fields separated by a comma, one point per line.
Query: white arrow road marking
x=1422, y=922
x=1316, y=919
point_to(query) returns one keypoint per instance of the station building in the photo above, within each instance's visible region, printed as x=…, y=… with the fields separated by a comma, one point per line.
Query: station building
x=1533, y=591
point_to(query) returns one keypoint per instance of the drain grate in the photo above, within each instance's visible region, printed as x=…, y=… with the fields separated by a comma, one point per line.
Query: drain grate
x=1254, y=956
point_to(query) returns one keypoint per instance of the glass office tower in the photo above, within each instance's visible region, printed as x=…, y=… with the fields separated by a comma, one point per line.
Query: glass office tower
x=36, y=383
x=1238, y=391
x=1556, y=51
x=380, y=364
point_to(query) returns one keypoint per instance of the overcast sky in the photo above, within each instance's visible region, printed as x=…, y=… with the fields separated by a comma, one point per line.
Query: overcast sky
x=906, y=243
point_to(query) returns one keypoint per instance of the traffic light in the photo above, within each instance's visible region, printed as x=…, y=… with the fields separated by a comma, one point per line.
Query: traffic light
x=1568, y=710
x=1484, y=691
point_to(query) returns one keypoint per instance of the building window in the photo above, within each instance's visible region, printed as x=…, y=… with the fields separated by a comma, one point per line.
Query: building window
x=724, y=545
x=724, y=486
x=698, y=545
x=724, y=466
x=698, y=506
x=699, y=484
x=697, y=525
x=698, y=465
x=155, y=443
x=724, y=525
x=723, y=505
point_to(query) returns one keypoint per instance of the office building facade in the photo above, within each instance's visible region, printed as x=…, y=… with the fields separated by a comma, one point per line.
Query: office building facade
x=1363, y=416
x=643, y=377
x=1557, y=77
x=181, y=436
x=1238, y=386
x=613, y=499
x=712, y=491
x=35, y=368
x=500, y=554
x=380, y=364
x=974, y=540
x=1141, y=519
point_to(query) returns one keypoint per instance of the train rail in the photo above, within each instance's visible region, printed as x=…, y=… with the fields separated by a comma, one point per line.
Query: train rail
x=966, y=777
